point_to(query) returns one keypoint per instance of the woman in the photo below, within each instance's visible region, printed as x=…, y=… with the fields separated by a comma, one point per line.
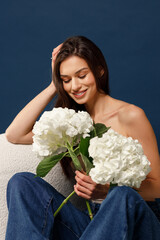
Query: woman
x=80, y=78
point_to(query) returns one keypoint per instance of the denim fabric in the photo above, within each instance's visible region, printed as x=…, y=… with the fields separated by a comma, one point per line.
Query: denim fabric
x=123, y=215
x=155, y=206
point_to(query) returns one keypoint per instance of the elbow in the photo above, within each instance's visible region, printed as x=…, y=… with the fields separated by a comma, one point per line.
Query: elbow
x=15, y=138
x=11, y=137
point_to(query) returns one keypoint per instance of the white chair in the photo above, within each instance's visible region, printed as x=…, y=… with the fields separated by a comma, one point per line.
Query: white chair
x=20, y=158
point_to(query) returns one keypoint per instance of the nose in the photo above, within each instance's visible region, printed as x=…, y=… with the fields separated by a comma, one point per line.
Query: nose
x=75, y=84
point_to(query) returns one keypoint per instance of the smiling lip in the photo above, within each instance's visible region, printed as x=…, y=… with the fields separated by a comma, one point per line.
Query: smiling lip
x=80, y=94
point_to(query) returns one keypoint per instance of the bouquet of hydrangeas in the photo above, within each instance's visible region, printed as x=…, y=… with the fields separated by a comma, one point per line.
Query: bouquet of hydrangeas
x=59, y=133
x=118, y=160
x=108, y=157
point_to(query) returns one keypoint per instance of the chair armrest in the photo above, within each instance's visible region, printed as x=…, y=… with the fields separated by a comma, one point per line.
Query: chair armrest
x=20, y=158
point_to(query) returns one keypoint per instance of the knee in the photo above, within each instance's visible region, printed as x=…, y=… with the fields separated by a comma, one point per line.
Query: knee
x=19, y=179
x=19, y=183
x=123, y=194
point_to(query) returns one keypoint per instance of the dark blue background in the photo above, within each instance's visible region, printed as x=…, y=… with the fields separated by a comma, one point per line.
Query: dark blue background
x=128, y=33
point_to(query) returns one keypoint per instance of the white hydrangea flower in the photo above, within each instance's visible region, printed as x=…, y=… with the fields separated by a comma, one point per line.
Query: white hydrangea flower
x=118, y=159
x=57, y=127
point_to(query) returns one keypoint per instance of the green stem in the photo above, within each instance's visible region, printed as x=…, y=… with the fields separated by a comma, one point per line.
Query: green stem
x=78, y=166
x=76, y=149
x=89, y=210
x=63, y=203
x=66, y=200
x=75, y=160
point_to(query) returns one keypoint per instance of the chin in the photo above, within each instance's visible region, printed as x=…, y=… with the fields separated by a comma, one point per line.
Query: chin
x=80, y=102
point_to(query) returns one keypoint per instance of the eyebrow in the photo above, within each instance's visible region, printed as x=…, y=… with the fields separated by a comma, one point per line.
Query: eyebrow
x=75, y=72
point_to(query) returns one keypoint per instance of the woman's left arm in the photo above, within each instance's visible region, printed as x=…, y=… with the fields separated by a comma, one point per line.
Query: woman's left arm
x=139, y=127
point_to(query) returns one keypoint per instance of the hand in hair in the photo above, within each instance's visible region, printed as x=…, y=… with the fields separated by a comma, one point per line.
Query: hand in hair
x=54, y=54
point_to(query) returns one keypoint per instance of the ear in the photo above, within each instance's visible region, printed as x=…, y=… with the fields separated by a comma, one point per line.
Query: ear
x=101, y=71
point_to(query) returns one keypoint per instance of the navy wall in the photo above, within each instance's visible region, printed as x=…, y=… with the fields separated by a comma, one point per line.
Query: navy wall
x=128, y=33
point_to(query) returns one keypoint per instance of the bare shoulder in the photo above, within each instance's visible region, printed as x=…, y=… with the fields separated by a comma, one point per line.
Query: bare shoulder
x=130, y=114
x=128, y=119
x=135, y=122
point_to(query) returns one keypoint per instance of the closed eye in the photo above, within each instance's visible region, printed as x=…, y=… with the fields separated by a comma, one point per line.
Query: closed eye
x=81, y=77
x=66, y=80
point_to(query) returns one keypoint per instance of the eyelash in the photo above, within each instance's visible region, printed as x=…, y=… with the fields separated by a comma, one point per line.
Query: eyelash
x=66, y=81
x=81, y=77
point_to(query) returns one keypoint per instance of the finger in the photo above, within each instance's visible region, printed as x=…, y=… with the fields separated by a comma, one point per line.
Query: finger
x=84, y=177
x=83, y=190
x=81, y=194
x=54, y=55
x=59, y=46
x=88, y=186
x=55, y=50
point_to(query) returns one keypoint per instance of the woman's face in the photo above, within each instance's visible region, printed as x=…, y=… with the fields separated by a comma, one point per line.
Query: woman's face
x=78, y=80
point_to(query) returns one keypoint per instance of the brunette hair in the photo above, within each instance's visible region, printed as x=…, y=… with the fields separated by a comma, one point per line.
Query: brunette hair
x=84, y=48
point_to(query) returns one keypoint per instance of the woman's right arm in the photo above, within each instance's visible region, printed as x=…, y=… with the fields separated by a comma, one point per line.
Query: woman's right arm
x=20, y=130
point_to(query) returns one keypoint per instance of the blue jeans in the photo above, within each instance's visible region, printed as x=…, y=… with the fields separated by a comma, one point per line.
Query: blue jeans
x=123, y=215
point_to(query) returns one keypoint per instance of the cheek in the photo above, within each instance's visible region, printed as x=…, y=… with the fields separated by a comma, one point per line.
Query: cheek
x=66, y=87
x=91, y=81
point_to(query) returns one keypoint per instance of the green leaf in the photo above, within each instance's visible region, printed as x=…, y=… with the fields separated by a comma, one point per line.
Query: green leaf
x=47, y=164
x=93, y=132
x=75, y=160
x=88, y=165
x=83, y=146
x=100, y=129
